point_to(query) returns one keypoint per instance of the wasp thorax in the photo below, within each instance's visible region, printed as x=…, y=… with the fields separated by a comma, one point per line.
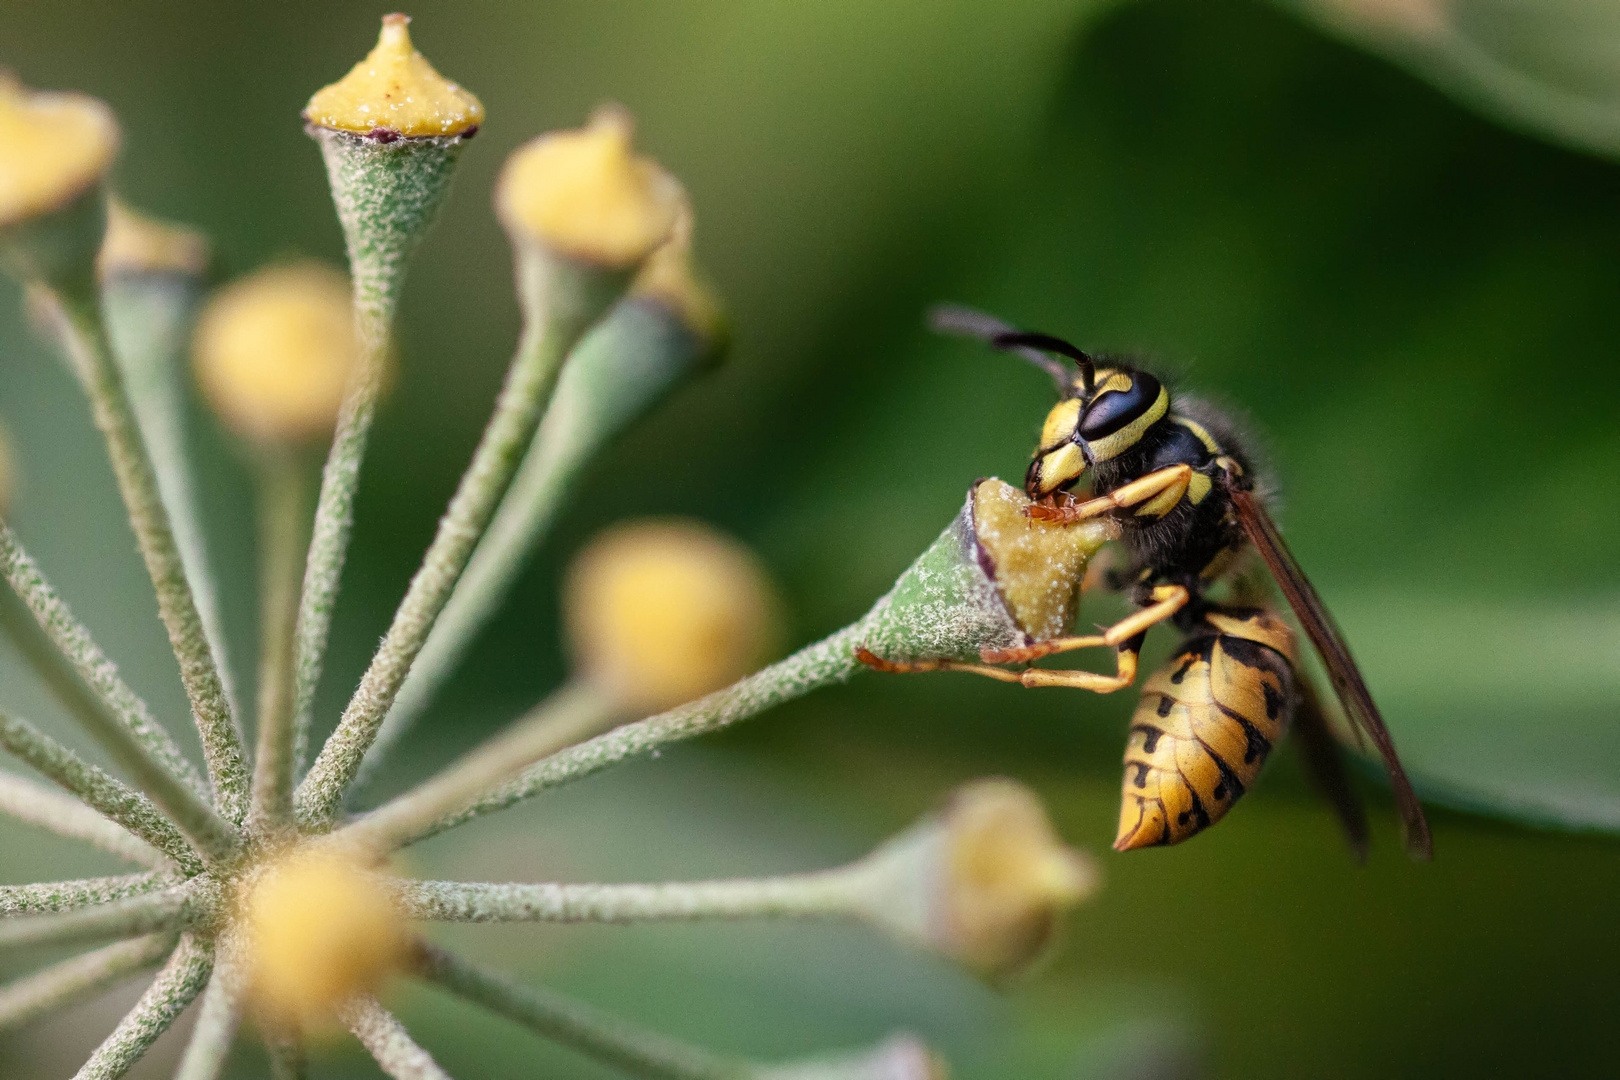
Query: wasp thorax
x=1037, y=565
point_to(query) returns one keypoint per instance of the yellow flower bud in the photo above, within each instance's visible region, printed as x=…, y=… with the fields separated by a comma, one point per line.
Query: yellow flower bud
x=137, y=244
x=1007, y=877
x=1038, y=565
x=395, y=92
x=53, y=149
x=662, y=612
x=670, y=278
x=584, y=194
x=318, y=928
x=274, y=352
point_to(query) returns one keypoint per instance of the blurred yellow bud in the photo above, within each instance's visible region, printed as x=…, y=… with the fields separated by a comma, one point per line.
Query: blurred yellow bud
x=394, y=91
x=670, y=278
x=318, y=928
x=137, y=244
x=586, y=195
x=1007, y=877
x=53, y=149
x=274, y=352
x=662, y=612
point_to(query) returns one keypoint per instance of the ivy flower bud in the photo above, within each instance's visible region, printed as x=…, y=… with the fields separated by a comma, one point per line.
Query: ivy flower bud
x=670, y=280
x=985, y=881
x=395, y=92
x=662, y=612
x=994, y=579
x=391, y=131
x=318, y=928
x=54, y=150
x=138, y=245
x=274, y=353
x=585, y=195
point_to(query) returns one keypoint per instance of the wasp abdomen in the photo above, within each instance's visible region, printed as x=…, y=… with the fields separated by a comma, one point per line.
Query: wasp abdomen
x=1206, y=723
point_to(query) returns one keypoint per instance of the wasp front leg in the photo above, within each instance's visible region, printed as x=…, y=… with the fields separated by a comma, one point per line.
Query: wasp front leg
x=1156, y=493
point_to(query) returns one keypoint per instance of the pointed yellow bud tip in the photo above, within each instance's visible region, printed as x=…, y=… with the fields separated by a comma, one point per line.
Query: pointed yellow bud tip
x=585, y=194
x=274, y=351
x=1010, y=877
x=395, y=92
x=137, y=244
x=53, y=148
x=1038, y=565
x=318, y=928
x=662, y=612
x=670, y=278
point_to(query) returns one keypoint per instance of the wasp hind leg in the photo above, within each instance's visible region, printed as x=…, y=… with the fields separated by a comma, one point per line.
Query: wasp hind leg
x=1125, y=637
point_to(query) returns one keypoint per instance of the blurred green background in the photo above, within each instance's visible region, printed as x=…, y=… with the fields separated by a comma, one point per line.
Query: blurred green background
x=1414, y=303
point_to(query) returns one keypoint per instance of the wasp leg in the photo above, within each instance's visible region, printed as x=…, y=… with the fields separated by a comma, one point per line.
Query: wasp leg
x=909, y=667
x=1166, y=601
x=1124, y=674
x=1165, y=486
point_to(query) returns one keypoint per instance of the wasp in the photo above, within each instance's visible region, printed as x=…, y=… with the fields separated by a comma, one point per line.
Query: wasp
x=1178, y=478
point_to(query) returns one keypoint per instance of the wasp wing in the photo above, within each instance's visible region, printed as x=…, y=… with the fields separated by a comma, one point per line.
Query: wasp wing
x=1324, y=765
x=1324, y=633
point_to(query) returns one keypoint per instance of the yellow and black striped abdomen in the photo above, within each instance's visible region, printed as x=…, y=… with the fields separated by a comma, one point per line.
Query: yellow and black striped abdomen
x=1205, y=724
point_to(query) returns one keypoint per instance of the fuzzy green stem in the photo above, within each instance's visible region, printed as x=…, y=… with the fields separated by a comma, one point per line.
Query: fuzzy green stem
x=552, y=725
x=815, y=895
x=97, y=790
x=79, y=977
x=217, y=1021
x=390, y=1045
x=148, y=315
x=607, y=1038
x=58, y=896
x=168, y=909
x=39, y=805
x=83, y=679
x=175, y=987
x=286, y=1054
x=567, y=298
x=629, y=361
x=83, y=340
x=831, y=660
x=282, y=495
x=386, y=195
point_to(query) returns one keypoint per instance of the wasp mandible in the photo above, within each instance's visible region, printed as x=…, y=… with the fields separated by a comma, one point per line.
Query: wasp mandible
x=1179, y=480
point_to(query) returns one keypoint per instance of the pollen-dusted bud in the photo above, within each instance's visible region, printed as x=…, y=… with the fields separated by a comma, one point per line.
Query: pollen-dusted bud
x=586, y=195
x=318, y=929
x=985, y=881
x=394, y=90
x=391, y=132
x=662, y=612
x=55, y=149
x=275, y=350
x=994, y=579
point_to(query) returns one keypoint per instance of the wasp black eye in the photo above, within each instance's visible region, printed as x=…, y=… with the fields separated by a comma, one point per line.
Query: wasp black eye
x=1116, y=407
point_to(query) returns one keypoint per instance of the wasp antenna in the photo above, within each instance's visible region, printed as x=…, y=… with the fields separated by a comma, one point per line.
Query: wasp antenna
x=1036, y=348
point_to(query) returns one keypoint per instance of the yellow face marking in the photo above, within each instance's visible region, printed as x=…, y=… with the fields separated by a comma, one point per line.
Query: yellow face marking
x=1200, y=433
x=1198, y=487
x=1128, y=436
x=1060, y=423
x=1057, y=468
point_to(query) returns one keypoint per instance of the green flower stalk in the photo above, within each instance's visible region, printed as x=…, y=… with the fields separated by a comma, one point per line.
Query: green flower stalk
x=251, y=890
x=390, y=132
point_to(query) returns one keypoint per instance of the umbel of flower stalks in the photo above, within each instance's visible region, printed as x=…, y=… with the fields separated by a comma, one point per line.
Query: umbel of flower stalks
x=275, y=351
x=55, y=149
x=662, y=612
